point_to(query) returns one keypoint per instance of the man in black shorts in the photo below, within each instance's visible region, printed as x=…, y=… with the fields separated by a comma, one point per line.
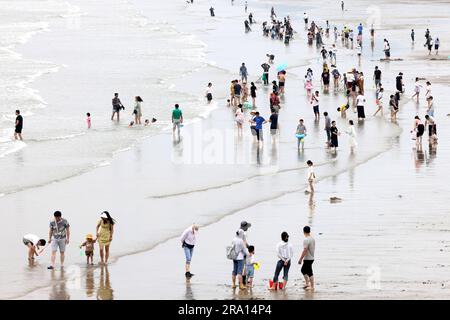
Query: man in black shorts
x=19, y=126
x=307, y=257
x=117, y=106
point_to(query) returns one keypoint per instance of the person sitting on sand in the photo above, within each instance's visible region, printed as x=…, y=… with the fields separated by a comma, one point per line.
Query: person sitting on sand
x=34, y=244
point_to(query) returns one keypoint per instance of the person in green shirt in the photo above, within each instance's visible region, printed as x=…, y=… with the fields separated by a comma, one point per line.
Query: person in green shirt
x=177, y=118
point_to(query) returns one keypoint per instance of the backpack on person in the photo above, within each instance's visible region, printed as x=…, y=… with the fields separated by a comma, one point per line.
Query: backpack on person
x=231, y=253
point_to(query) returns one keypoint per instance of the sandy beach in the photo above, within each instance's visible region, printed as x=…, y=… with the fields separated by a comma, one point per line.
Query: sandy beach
x=386, y=239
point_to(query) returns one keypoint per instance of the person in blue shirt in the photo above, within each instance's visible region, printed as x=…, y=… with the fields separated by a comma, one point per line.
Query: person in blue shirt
x=360, y=29
x=258, y=122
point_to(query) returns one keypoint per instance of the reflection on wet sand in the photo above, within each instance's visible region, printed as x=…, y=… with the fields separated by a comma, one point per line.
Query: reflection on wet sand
x=59, y=286
x=90, y=283
x=189, y=295
x=105, y=291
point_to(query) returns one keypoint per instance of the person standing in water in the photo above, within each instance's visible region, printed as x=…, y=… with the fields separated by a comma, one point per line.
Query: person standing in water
x=377, y=77
x=393, y=106
x=88, y=120
x=239, y=117
x=301, y=130
x=334, y=136
x=105, y=231
x=240, y=250
x=327, y=127
x=208, y=93
x=430, y=122
x=117, y=106
x=34, y=244
x=419, y=129
x=310, y=176
x=412, y=36
x=137, y=110
x=285, y=254
x=379, y=101
x=307, y=258
x=243, y=72
x=253, y=94
x=417, y=87
x=315, y=104
x=360, y=101
x=58, y=237
x=352, y=135
x=211, y=11
x=342, y=5
x=188, y=238
x=177, y=119
x=437, y=43
x=265, y=76
x=18, y=126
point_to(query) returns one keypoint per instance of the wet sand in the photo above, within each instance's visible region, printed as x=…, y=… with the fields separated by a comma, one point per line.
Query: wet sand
x=373, y=234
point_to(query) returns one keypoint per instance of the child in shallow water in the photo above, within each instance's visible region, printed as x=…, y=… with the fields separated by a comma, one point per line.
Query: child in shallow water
x=89, y=251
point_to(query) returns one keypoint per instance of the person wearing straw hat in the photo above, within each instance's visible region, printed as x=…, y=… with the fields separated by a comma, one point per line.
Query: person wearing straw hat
x=188, y=244
x=105, y=231
x=89, y=251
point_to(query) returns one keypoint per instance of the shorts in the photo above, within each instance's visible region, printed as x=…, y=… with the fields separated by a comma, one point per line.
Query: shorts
x=281, y=84
x=18, y=130
x=432, y=129
x=316, y=109
x=26, y=242
x=58, y=243
x=238, y=267
x=188, y=254
x=307, y=268
x=250, y=270
x=116, y=109
x=89, y=253
x=420, y=130
x=209, y=96
x=273, y=131
x=176, y=123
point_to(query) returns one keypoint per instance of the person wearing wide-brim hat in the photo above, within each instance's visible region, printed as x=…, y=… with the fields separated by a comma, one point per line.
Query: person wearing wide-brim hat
x=105, y=231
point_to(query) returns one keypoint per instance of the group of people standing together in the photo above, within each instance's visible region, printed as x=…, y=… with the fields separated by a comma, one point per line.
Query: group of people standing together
x=59, y=237
x=242, y=255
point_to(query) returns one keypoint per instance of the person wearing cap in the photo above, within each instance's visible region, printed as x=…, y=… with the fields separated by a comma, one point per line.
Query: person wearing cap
x=240, y=248
x=188, y=243
x=58, y=237
x=105, y=231
x=89, y=251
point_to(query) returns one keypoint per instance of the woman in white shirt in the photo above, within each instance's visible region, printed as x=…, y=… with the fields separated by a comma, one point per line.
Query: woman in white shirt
x=188, y=243
x=285, y=254
x=137, y=110
x=311, y=176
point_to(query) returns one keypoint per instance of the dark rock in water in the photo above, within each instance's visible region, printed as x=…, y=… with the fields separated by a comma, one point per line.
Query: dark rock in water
x=335, y=199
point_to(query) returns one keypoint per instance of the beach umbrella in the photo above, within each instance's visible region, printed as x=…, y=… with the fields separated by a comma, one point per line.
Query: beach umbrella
x=281, y=67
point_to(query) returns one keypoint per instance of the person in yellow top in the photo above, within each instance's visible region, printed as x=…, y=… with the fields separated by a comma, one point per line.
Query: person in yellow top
x=105, y=231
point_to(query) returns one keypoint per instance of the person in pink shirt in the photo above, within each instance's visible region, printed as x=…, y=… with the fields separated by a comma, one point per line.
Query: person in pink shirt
x=88, y=120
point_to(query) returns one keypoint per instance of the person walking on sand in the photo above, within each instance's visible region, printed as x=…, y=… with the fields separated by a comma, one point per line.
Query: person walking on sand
x=253, y=94
x=58, y=237
x=258, y=122
x=117, y=106
x=352, y=135
x=34, y=244
x=301, y=131
x=412, y=36
x=89, y=249
x=18, y=126
x=310, y=176
x=239, y=117
x=177, y=119
x=437, y=43
x=334, y=136
x=285, y=254
x=105, y=232
x=137, y=109
x=188, y=238
x=377, y=77
x=240, y=250
x=417, y=87
x=379, y=102
x=243, y=72
x=307, y=258
x=315, y=105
